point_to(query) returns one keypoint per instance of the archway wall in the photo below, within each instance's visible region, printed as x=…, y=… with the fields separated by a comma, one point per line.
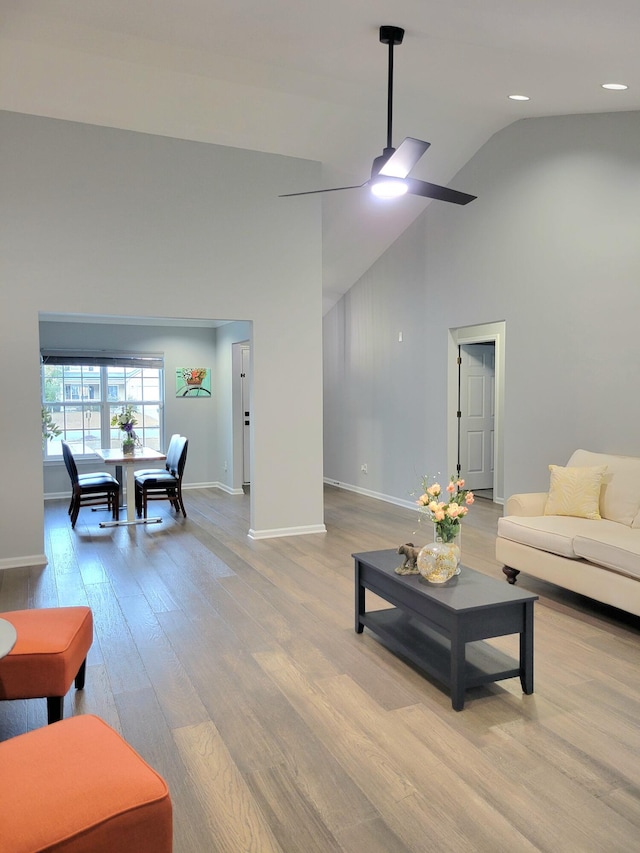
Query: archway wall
x=103, y=221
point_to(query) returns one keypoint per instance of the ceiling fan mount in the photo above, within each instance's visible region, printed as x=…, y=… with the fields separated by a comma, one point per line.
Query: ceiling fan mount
x=391, y=35
x=390, y=171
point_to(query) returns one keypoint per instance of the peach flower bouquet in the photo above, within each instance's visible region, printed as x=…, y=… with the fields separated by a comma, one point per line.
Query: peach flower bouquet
x=445, y=515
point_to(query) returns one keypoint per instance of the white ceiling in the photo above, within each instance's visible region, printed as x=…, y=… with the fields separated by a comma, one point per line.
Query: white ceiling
x=309, y=80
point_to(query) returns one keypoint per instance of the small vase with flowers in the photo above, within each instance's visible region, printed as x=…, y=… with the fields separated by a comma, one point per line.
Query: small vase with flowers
x=439, y=561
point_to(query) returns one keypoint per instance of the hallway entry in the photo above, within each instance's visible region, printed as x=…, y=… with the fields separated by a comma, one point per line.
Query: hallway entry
x=245, y=384
x=475, y=438
x=241, y=394
x=476, y=418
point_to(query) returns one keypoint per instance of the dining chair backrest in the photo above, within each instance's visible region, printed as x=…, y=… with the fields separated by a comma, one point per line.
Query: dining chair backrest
x=171, y=449
x=70, y=462
x=182, y=460
x=178, y=458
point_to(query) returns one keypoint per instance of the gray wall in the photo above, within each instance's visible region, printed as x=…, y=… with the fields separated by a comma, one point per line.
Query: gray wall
x=101, y=221
x=551, y=247
x=376, y=409
x=207, y=422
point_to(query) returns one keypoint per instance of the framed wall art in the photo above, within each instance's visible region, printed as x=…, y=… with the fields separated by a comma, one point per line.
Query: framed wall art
x=193, y=382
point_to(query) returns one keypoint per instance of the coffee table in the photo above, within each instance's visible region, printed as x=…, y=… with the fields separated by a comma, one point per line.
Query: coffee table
x=440, y=628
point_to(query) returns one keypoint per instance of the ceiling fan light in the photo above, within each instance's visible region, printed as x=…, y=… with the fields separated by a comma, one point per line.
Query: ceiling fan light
x=388, y=187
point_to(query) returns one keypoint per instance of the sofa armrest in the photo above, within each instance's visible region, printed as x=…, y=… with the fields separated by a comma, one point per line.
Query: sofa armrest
x=528, y=505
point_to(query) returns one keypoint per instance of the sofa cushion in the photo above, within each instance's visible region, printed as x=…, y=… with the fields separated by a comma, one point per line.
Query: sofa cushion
x=615, y=549
x=554, y=533
x=575, y=491
x=620, y=493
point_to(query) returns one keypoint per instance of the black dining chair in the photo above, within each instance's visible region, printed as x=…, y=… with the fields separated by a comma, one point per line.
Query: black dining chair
x=159, y=485
x=170, y=452
x=97, y=487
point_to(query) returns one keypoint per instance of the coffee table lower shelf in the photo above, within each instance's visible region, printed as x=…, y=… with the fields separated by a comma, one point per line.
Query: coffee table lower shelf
x=407, y=636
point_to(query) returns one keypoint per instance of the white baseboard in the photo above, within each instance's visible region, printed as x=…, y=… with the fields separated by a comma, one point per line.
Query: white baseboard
x=286, y=531
x=22, y=562
x=380, y=497
x=56, y=496
x=222, y=486
x=369, y=494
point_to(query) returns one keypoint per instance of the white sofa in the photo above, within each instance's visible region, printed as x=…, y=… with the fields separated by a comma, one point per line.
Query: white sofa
x=599, y=558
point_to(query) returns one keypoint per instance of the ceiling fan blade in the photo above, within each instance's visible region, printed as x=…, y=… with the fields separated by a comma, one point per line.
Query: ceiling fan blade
x=428, y=190
x=329, y=190
x=404, y=158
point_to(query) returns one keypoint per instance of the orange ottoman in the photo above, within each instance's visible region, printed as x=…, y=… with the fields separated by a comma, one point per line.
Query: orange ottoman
x=77, y=787
x=50, y=652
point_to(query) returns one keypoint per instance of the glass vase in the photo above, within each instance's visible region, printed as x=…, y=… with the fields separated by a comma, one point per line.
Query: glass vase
x=439, y=561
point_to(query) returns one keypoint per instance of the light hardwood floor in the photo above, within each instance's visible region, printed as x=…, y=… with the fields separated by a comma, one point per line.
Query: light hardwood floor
x=233, y=667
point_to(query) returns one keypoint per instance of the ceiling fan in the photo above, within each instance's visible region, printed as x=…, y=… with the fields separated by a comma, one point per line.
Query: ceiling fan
x=389, y=173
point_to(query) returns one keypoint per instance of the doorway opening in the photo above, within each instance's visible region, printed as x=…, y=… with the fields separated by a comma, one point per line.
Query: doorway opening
x=241, y=367
x=476, y=407
x=476, y=417
x=245, y=380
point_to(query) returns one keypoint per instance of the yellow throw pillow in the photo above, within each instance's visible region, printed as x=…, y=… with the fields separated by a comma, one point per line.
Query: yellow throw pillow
x=575, y=491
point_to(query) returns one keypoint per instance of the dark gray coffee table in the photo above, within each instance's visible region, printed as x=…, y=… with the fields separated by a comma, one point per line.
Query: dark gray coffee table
x=440, y=628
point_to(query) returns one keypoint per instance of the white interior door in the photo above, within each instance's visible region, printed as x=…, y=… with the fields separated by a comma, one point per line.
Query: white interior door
x=477, y=414
x=246, y=414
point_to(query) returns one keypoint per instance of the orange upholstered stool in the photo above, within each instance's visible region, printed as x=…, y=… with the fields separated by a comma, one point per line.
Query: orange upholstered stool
x=50, y=652
x=77, y=787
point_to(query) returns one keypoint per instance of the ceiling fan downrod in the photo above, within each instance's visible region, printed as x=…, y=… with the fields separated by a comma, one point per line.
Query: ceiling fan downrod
x=391, y=36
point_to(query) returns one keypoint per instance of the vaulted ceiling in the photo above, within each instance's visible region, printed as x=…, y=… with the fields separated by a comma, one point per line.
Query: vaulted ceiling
x=309, y=79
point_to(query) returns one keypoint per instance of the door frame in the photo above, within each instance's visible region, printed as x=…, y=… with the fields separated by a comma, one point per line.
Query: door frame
x=482, y=333
x=463, y=413
x=237, y=418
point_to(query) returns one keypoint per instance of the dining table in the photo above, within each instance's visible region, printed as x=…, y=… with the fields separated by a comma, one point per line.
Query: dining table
x=129, y=462
x=8, y=637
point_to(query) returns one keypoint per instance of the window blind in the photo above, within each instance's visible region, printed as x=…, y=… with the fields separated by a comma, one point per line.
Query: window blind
x=102, y=358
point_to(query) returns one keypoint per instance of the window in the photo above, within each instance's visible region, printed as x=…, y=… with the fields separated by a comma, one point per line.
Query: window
x=83, y=397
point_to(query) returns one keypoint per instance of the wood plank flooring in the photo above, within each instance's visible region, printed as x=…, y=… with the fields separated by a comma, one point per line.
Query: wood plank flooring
x=232, y=666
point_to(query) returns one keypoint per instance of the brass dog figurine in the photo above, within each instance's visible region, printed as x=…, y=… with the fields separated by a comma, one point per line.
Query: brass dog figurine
x=410, y=554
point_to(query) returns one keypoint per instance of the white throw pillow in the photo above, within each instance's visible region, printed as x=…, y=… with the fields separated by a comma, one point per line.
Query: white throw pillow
x=575, y=491
x=620, y=493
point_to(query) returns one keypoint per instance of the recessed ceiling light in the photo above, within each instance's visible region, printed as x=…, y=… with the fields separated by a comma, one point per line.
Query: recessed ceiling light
x=616, y=86
x=519, y=97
